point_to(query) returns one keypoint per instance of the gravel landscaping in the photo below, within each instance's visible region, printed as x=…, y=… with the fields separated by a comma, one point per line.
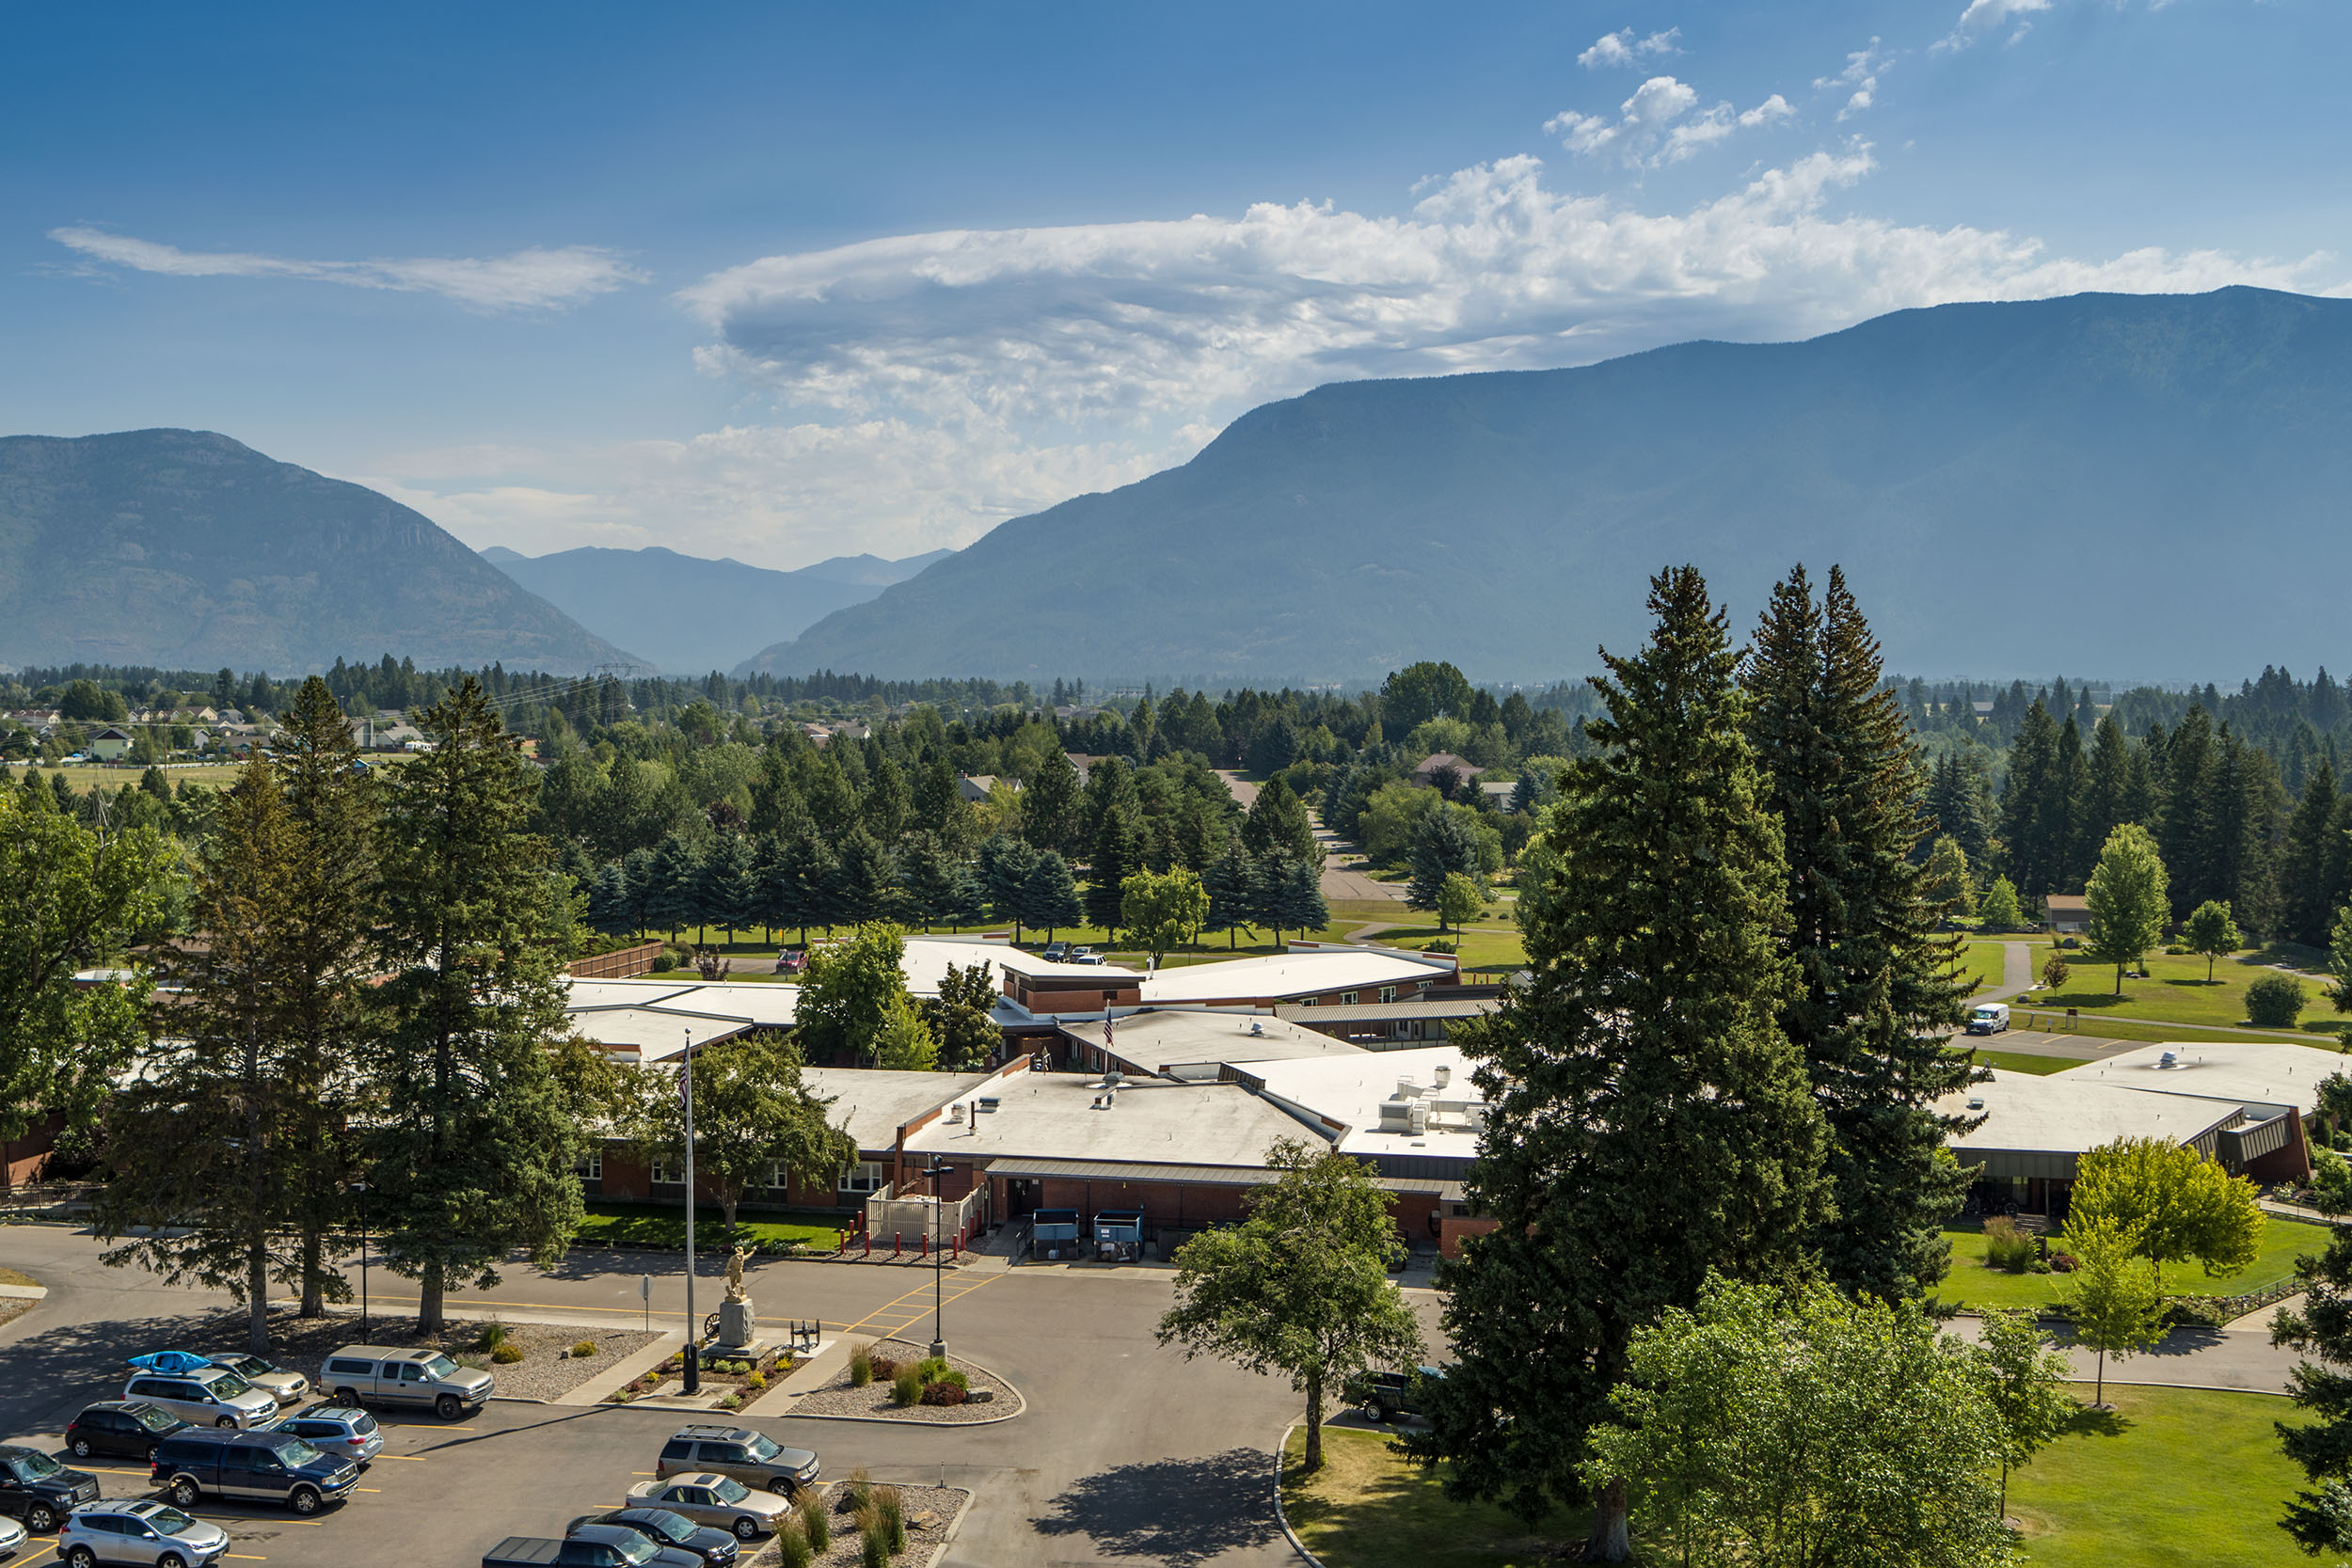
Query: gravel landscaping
x=546, y=1371
x=929, y=1510
x=838, y=1398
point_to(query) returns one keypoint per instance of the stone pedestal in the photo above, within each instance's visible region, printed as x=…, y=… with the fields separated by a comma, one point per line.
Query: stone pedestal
x=734, y=1326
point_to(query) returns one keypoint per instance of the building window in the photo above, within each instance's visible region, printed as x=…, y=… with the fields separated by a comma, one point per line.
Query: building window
x=778, y=1177
x=664, y=1174
x=1307, y=1001
x=864, y=1177
x=590, y=1167
x=1387, y=994
x=1347, y=998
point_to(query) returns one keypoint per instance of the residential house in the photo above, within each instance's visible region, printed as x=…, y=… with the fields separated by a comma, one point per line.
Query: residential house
x=1436, y=762
x=110, y=744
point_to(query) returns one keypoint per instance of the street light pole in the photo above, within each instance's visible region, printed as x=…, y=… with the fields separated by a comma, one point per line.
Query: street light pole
x=936, y=1169
x=361, y=1188
x=693, y=1336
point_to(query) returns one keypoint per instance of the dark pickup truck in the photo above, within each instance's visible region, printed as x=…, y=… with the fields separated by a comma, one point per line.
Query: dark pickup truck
x=595, y=1546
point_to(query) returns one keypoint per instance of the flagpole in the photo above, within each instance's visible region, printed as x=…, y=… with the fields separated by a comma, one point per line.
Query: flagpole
x=693, y=1340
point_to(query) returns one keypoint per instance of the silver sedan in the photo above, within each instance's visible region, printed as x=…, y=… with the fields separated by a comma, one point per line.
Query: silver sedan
x=712, y=1499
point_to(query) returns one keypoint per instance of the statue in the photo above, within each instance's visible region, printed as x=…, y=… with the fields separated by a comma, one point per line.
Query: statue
x=735, y=1276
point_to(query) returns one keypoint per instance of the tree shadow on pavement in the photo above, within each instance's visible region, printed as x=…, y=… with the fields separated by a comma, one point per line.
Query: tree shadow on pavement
x=1178, y=1512
x=48, y=1373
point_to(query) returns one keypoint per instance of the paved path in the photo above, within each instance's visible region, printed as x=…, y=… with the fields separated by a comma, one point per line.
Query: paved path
x=1245, y=792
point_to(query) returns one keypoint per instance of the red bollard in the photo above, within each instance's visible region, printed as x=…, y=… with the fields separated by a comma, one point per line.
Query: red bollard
x=926, y=1250
x=870, y=1243
x=958, y=1253
x=897, y=1245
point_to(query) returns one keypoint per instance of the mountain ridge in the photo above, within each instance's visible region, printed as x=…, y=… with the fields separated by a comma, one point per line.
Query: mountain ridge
x=1509, y=520
x=187, y=549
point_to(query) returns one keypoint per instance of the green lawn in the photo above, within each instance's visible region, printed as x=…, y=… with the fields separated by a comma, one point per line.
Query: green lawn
x=1970, y=1283
x=1984, y=962
x=2022, y=1015
x=2017, y=1061
x=614, y=1224
x=1369, y=1508
x=2176, y=991
x=1485, y=946
x=2171, y=1478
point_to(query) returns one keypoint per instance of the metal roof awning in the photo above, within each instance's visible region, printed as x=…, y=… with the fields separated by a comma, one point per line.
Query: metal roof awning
x=1140, y=1173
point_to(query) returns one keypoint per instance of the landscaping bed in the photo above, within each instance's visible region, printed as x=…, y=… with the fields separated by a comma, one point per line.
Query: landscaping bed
x=748, y=1378
x=989, y=1398
x=544, y=1367
x=929, y=1510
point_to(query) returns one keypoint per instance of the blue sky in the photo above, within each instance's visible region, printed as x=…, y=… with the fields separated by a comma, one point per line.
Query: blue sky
x=784, y=282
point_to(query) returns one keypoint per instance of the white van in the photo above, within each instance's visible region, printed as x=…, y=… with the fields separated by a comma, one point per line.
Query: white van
x=1988, y=1018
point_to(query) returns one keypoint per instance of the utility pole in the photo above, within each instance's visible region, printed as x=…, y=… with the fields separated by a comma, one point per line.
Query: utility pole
x=936, y=1169
x=693, y=1335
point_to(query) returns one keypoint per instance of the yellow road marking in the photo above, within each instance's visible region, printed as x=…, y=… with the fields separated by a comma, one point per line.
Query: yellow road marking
x=411, y=1458
x=245, y=1557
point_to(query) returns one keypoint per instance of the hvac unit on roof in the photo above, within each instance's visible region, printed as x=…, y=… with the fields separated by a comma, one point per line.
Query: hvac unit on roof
x=1444, y=1075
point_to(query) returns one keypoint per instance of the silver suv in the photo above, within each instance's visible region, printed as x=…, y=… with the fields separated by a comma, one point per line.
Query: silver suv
x=140, y=1531
x=208, y=1396
x=270, y=1378
x=425, y=1379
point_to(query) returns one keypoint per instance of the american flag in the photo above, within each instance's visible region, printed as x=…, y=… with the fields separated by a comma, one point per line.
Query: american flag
x=1106, y=1028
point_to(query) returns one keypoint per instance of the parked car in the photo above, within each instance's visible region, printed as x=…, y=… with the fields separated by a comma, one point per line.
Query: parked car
x=208, y=1396
x=422, y=1378
x=336, y=1430
x=750, y=1457
x=12, y=1537
x=716, y=1547
x=712, y=1499
x=525, y=1551
x=286, y=1386
x=139, y=1530
x=1056, y=951
x=1087, y=955
x=1384, y=1396
x=39, y=1489
x=256, y=1467
x=129, y=1429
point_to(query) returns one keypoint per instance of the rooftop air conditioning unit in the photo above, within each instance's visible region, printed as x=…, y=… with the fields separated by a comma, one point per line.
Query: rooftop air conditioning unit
x=955, y=1112
x=986, y=1102
x=1444, y=1075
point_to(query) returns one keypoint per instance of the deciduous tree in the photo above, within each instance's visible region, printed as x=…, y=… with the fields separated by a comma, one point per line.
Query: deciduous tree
x=2000, y=910
x=846, y=997
x=1163, y=908
x=2212, y=932
x=2119, y=1304
x=2024, y=1381
x=2126, y=899
x=1301, y=1286
x=1458, y=901
x=2171, y=1202
x=754, y=1120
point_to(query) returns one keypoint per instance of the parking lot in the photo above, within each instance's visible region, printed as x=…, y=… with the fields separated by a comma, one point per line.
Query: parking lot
x=1126, y=1453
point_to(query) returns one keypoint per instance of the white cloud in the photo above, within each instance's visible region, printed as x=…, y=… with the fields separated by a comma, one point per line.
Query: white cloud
x=1655, y=126
x=1983, y=16
x=1861, y=76
x=1621, y=48
x=525, y=280
x=929, y=385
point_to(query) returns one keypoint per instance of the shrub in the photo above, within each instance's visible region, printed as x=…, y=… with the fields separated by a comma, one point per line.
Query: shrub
x=732, y=1401
x=664, y=963
x=507, y=1355
x=892, y=1509
x=585, y=1348
x=885, y=1368
x=874, y=1548
x=2037, y=1265
x=2274, y=1002
x=816, y=1524
x=756, y=1381
x=2063, y=1263
x=861, y=1490
x=944, y=1392
x=493, y=1335
x=906, y=1386
x=861, y=1367
x=2006, y=1246
x=792, y=1548
x=933, y=1368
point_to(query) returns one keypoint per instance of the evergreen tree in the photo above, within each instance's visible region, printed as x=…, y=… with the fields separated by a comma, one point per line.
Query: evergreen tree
x=727, y=887
x=331, y=802
x=2027, y=811
x=2321, y=1328
x=608, y=902
x=1291, y=896
x=1876, y=995
x=1004, y=864
x=889, y=808
x=1277, y=824
x=2107, y=790
x=475, y=1136
x=867, y=878
x=207, y=1142
x=1231, y=880
x=1444, y=845
x=673, y=893
x=1052, y=806
x=1119, y=853
x=2070, y=786
x=1049, y=894
x=2184, y=832
x=2304, y=910
x=1650, y=1024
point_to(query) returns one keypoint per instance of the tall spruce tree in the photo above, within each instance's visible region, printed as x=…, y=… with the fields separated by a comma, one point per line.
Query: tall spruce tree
x=2184, y=828
x=2070, y=786
x=2035, y=863
x=1278, y=825
x=1650, y=1025
x=2304, y=910
x=1052, y=806
x=475, y=1140
x=2107, y=790
x=208, y=1160
x=1049, y=894
x=1876, y=990
x=331, y=803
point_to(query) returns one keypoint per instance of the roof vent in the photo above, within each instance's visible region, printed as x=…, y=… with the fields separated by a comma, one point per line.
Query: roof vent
x=1444, y=1075
x=1256, y=1028
x=1975, y=1102
x=955, y=1112
x=2166, y=1060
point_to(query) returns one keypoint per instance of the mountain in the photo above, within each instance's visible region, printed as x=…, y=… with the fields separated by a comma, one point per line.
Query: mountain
x=189, y=550
x=691, y=615
x=2147, y=487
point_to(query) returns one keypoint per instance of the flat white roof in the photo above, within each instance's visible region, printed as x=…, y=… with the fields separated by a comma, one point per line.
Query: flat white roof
x=873, y=1103
x=1161, y=1041
x=1054, y=1115
x=2251, y=1072
x=1349, y=1090
x=926, y=958
x=1286, y=974
x=654, y=1018
x=2062, y=1114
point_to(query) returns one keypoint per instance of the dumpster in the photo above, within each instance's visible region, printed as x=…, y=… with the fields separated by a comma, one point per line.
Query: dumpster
x=1053, y=1233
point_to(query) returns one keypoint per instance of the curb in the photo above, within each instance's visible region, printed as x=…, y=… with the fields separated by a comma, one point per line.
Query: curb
x=22, y=1293
x=1021, y=1407
x=1297, y=1545
x=948, y=1538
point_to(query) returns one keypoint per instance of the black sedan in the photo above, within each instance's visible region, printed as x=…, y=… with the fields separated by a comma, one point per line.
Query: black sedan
x=716, y=1547
x=127, y=1428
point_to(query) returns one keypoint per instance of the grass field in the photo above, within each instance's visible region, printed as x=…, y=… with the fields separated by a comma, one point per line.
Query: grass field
x=1369, y=1508
x=2017, y=1061
x=1984, y=961
x=1970, y=1283
x=2177, y=992
x=2170, y=1478
x=2025, y=1015
x=656, y=1225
